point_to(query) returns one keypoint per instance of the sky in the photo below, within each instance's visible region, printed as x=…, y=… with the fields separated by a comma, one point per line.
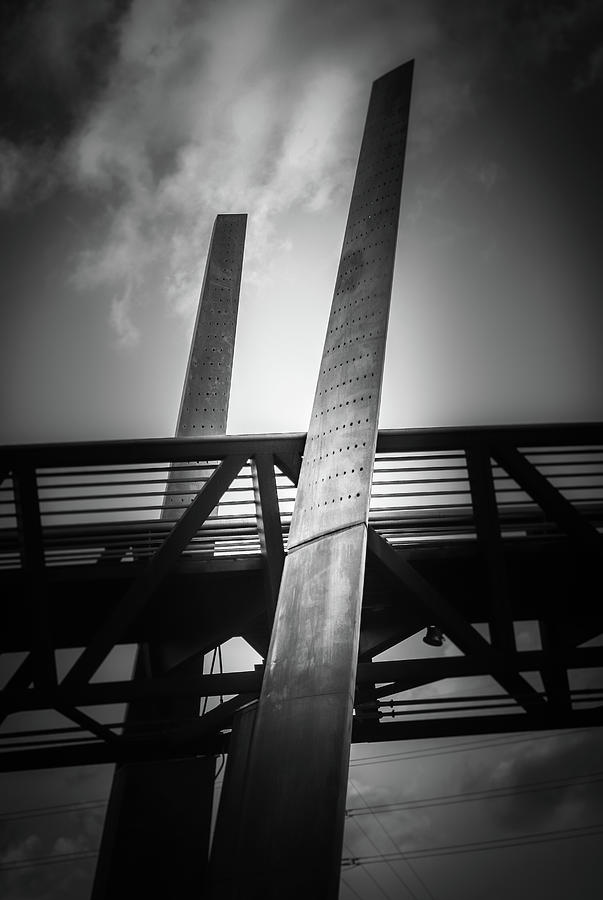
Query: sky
x=126, y=127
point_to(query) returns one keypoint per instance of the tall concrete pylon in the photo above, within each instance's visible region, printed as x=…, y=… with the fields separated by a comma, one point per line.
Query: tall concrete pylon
x=206, y=393
x=287, y=837
x=156, y=836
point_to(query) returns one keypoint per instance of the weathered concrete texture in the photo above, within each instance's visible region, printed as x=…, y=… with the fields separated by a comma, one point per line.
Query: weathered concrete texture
x=292, y=811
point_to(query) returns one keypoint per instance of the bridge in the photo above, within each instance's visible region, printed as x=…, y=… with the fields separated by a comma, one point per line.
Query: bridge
x=321, y=551
x=86, y=558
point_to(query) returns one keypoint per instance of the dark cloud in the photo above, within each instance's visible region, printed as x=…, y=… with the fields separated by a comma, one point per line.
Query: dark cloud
x=54, y=59
x=567, y=755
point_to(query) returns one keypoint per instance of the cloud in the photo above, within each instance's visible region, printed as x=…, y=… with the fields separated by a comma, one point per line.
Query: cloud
x=567, y=754
x=223, y=108
x=28, y=173
x=16, y=852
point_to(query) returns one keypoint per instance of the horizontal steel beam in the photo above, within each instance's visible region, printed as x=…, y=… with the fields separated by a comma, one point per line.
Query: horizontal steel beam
x=166, y=450
x=99, y=752
x=410, y=671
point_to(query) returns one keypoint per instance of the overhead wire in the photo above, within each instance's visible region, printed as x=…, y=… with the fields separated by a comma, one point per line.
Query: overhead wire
x=485, y=794
x=35, y=861
x=521, y=840
x=464, y=745
x=397, y=874
x=394, y=844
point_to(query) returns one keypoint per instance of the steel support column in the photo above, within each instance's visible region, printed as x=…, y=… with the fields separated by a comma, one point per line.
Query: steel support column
x=292, y=809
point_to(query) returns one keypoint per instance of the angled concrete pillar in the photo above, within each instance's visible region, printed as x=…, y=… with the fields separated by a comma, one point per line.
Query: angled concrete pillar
x=156, y=835
x=206, y=394
x=288, y=836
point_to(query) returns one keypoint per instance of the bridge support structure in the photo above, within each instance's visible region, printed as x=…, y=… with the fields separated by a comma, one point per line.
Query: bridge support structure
x=293, y=797
x=157, y=829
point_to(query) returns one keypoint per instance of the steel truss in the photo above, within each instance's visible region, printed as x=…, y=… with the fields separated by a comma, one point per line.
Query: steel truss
x=467, y=527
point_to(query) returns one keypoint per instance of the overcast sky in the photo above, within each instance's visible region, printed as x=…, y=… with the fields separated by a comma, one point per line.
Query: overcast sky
x=127, y=127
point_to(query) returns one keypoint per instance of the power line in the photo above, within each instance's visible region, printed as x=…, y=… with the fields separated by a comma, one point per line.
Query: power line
x=539, y=837
x=470, y=796
x=35, y=861
x=390, y=838
x=351, y=888
x=397, y=874
x=465, y=745
x=416, y=803
x=82, y=806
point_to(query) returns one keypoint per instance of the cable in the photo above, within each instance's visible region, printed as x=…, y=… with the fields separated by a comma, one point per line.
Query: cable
x=83, y=806
x=351, y=888
x=36, y=861
x=397, y=874
x=539, y=837
x=465, y=745
x=487, y=793
x=390, y=838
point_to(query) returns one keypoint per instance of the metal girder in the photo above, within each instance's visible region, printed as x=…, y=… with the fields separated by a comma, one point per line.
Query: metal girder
x=290, y=446
x=367, y=732
x=157, y=569
x=143, y=688
x=393, y=676
x=269, y=525
x=464, y=635
x=485, y=513
x=29, y=526
x=548, y=497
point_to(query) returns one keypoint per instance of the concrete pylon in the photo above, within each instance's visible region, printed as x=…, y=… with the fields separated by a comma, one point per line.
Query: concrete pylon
x=156, y=836
x=287, y=837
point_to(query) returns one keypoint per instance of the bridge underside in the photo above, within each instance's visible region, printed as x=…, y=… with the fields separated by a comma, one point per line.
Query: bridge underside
x=484, y=533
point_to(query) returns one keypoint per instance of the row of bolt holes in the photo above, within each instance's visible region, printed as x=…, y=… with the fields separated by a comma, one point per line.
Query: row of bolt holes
x=344, y=290
x=362, y=337
x=336, y=475
x=359, y=319
x=333, y=452
x=325, y=412
x=382, y=213
x=376, y=174
x=332, y=501
x=335, y=386
x=339, y=365
x=350, y=305
x=353, y=238
x=331, y=430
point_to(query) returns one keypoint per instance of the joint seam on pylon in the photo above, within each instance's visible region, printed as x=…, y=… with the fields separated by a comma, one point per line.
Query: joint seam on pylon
x=323, y=534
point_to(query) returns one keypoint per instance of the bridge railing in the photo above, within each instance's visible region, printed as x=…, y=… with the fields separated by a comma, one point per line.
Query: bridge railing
x=102, y=502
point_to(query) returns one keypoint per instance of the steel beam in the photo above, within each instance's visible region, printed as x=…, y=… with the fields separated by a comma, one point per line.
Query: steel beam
x=549, y=498
x=295, y=811
x=29, y=525
x=485, y=514
x=464, y=635
x=269, y=526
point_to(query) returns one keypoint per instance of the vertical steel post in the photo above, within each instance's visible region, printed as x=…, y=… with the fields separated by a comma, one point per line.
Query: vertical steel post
x=292, y=810
x=156, y=834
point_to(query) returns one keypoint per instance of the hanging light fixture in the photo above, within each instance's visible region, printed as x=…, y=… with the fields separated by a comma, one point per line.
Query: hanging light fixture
x=433, y=636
